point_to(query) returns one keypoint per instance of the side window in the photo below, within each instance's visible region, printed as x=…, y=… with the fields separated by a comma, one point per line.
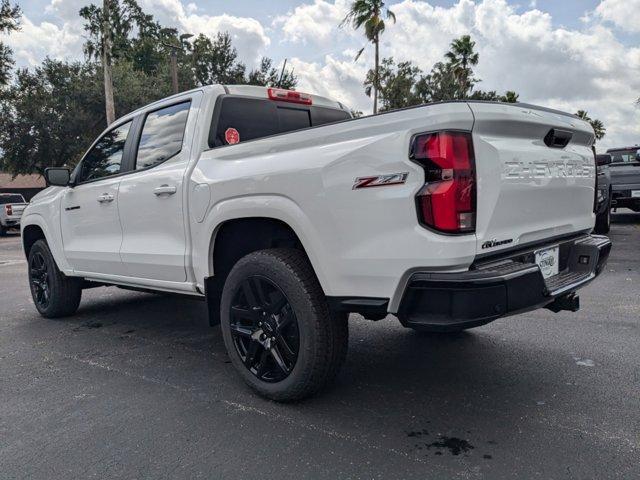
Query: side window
x=105, y=158
x=162, y=135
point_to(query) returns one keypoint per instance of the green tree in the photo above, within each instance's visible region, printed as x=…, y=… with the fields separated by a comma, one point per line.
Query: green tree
x=216, y=61
x=268, y=76
x=368, y=14
x=49, y=116
x=9, y=22
x=597, y=125
x=396, y=84
x=438, y=85
x=109, y=30
x=508, y=97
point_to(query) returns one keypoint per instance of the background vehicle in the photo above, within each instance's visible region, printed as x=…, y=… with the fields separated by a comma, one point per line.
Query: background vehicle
x=625, y=177
x=11, y=207
x=603, y=209
x=287, y=215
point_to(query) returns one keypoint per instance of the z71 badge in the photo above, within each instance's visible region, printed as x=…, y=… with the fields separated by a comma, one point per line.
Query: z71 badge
x=381, y=180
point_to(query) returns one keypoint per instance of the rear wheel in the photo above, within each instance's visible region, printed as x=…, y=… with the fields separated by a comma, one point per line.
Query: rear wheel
x=3, y=231
x=277, y=327
x=54, y=294
x=603, y=220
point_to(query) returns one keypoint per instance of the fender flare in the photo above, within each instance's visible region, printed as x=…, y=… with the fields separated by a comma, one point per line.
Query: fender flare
x=273, y=206
x=55, y=243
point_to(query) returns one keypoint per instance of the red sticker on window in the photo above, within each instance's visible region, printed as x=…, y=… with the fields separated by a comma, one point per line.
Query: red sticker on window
x=232, y=136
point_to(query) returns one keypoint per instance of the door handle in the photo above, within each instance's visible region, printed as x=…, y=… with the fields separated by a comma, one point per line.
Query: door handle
x=165, y=190
x=106, y=198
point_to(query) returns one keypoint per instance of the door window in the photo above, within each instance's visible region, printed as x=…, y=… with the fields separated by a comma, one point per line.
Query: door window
x=162, y=135
x=105, y=158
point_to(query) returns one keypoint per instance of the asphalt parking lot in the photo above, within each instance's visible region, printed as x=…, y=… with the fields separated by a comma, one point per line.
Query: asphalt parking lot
x=138, y=386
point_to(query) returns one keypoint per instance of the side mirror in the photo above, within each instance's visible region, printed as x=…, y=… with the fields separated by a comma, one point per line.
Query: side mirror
x=57, y=176
x=603, y=159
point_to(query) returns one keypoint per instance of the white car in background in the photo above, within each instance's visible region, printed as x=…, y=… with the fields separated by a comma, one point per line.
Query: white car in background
x=11, y=207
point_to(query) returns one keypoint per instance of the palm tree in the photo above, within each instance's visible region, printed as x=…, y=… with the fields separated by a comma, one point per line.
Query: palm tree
x=598, y=127
x=368, y=13
x=105, y=55
x=462, y=58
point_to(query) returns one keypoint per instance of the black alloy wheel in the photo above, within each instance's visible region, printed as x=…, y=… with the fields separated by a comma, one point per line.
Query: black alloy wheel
x=264, y=329
x=39, y=278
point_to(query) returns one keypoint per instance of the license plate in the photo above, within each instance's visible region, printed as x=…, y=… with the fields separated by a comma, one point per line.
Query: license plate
x=548, y=261
x=635, y=193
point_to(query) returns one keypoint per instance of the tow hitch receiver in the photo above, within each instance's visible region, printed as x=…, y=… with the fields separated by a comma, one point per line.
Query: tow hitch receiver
x=569, y=302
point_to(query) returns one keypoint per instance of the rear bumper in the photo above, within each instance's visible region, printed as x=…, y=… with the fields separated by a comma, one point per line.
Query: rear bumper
x=621, y=196
x=501, y=286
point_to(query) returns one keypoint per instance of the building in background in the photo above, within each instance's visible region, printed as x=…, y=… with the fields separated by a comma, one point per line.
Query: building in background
x=27, y=185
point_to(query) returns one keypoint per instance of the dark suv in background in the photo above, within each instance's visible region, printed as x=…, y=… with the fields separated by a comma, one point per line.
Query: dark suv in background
x=603, y=208
x=625, y=177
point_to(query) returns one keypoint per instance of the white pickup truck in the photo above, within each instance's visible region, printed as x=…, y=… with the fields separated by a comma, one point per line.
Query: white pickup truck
x=11, y=208
x=286, y=215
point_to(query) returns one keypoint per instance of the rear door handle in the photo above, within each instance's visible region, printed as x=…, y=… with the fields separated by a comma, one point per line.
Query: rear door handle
x=106, y=198
x=165, y=190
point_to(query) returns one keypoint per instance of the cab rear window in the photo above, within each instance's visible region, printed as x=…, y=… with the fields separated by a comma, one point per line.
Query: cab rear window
x=241, y=119
x=625, y=156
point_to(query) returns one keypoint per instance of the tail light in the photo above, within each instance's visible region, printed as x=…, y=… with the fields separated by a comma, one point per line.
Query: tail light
x=9, y=210
x=447, y=202
x=289, y=96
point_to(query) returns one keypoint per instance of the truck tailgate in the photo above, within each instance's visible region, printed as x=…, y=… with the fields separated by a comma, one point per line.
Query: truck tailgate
x=625, y=176
x=529, y=189
x=17, y=209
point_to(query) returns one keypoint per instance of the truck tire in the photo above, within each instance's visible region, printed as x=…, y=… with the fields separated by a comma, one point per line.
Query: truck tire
x=3, y=231
x=54, y=294
x=279, y=332
x=603, y=220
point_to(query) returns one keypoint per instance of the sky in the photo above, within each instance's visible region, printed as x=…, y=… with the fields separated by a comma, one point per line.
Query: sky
x=564, y=54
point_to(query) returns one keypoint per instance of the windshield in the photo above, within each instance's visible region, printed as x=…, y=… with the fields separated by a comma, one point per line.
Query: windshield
x=625, y=156
x=5, y=199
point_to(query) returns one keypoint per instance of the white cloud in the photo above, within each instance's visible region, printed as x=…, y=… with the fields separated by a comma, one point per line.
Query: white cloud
x=340, y=80
x=521, y=48
x=62, y=36
x=33, y=42
x=67, y=10
x=312, y=23
x=564, y=68
x=622, y=13
x=248, y=34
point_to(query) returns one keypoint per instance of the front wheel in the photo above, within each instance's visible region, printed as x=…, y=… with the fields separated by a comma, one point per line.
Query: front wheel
x=277, y=327
x=54, y=294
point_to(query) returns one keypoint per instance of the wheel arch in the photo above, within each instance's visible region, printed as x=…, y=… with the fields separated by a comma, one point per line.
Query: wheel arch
x=273, y=209
x=33, y=228
x=30, y=235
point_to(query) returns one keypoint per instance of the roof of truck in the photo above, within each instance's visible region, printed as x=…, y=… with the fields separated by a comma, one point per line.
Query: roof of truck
x=246, y=91
x=618, y=149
